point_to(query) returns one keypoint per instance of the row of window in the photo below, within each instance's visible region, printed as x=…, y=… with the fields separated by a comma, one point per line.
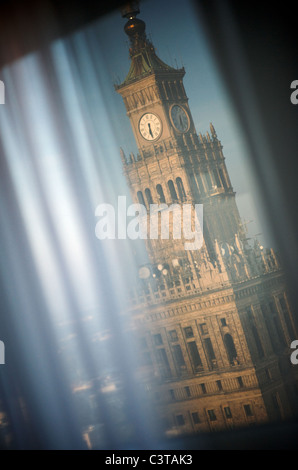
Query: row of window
x=212, y=416
x=209, y=180
x=164, y=365
x=286, y=315
x=192, y=348
x=176, y=195
x=272, y=322
x=203, y=388
x=188, y=331
x=173, y=90
x=274, y=326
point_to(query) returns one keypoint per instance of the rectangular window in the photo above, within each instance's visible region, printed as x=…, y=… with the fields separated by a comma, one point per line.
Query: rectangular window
x=203, y=328
x=208, y=180
x=272, y=308
x=157, y=340
x=257, y=341
x=203, y=387
x=172, y=394
x=228, y=412
x=223, y=179
x=250, y=315
x=240, y=382
x=248, y=410
x=199, y=184
x=219, y=384
x=178, y=356
x=162, y=361
x=277, y=324
x=216, y=177
x=173, y=335
x=212, y=415
x=187, y=391
x=209, y=349
x=194, y=354
x=279, y=330
x=270, y=328
x=161, y=357
x=287, y=318
x=188, y=332
x=275, y=401
x=180, y=420
x=223, y=322
x=195, y=417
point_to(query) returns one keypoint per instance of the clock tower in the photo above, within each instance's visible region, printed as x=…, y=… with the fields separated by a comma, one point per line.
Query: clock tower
x=213, y=324
x=173, y=164
x=158, y=105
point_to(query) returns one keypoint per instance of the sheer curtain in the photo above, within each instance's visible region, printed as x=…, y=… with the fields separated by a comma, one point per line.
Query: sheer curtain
x=63, y=289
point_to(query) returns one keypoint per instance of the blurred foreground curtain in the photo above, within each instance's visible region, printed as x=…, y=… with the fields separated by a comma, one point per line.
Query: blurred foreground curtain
x=61, y=291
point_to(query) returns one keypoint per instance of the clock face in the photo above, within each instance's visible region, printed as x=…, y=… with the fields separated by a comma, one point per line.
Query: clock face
x=179, y=118
x=150, y=126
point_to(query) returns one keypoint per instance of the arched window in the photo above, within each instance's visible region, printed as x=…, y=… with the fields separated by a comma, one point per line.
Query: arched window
x=181, y=190
x=223, y=179
x=210, y=353
x=194, y=354
x=148, y=196
x=255, y=332
x=160, y=193
x=172, y=190
x=257, y=341
x=178, y=357
x=163, y=362
x=141, y=198
x=230, y=347
x=200, y=184
x=208, y=179
x=216, y=177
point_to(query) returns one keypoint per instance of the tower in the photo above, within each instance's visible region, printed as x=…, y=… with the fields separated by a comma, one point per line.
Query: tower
x=173, y=164
x=214, y=324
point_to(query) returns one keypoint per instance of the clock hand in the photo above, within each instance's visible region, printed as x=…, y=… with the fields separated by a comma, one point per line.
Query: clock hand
x=150, y=131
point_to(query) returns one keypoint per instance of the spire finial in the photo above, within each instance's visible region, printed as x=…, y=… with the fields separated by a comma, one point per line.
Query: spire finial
x=123, y=157
x=213, y=133
x=130, y=10
x=134, y=28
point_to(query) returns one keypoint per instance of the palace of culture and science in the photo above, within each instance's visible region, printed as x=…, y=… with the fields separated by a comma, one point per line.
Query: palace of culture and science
x=214, y=325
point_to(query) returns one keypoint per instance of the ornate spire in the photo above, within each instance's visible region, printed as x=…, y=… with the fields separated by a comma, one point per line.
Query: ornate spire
x=134, y=28
x=123, y=157
x=213, y=133
x=144, y=60
x=130, y=9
